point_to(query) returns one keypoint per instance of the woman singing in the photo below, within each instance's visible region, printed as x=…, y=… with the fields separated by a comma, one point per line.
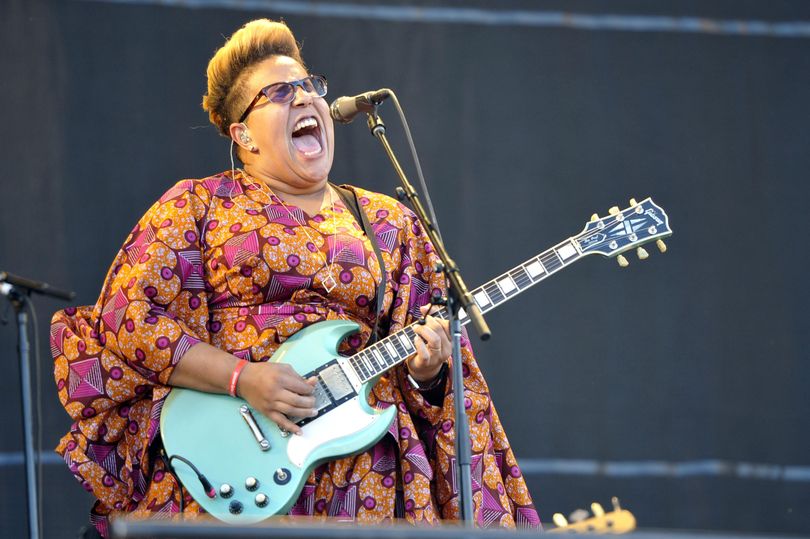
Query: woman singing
x=222, y=270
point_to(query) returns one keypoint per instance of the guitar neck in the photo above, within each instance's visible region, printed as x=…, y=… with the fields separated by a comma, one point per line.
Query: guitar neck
x=397, y=347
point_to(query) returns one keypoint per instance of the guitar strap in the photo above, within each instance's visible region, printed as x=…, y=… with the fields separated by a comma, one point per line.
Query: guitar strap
x=349, y=199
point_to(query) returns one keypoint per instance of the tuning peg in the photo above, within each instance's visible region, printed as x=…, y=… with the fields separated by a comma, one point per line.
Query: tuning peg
x=661, y=246
x=642, y=253
x=622, y=261
x=633, y=202
x=597, y=509
x=559, y=520
x=614, y=210
x=594, y=217
x=577, y=516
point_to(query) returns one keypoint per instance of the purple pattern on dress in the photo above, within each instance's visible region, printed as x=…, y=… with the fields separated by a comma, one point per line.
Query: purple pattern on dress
x=387, y=235
x=85, y=380
x=191, y=270
x=241, y=248
x=345, y=250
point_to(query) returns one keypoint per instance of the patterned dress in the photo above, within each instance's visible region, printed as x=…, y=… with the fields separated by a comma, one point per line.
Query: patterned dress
x=222, y=261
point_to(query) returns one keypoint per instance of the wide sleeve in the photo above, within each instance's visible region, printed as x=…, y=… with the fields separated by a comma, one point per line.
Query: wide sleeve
x=154, y=307
x=112, y=362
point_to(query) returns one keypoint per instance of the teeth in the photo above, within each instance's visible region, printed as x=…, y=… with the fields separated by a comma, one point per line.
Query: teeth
x=304, y=123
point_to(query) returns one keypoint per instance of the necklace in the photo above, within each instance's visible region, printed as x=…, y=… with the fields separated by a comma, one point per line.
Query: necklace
x=329, y=283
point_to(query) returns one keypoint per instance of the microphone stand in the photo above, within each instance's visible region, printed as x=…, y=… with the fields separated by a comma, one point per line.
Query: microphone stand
x=459, y=304
x=17, y=289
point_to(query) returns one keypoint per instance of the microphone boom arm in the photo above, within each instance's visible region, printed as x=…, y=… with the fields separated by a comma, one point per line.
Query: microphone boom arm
x=457, y=285
x=458, y=297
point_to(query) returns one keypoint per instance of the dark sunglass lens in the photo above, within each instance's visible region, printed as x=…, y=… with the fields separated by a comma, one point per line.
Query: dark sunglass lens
x=306, y=84
x=280, y=93
x=318, y=85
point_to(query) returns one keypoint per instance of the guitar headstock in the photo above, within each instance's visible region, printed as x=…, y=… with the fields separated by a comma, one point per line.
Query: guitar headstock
x=617, y=521
x=622, y=230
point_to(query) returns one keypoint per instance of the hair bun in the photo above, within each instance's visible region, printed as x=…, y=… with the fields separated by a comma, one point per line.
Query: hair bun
x=232, y=63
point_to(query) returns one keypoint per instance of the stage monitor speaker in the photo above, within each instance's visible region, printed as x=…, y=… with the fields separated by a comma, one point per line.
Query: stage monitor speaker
x=164, y=529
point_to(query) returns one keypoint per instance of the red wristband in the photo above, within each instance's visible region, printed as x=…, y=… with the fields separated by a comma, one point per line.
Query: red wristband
x=235, y=376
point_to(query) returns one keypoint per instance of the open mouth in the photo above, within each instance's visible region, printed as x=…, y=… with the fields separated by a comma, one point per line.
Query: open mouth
x=306, y=136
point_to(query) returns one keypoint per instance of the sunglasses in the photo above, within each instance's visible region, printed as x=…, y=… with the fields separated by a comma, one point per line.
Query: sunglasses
x=284, y=92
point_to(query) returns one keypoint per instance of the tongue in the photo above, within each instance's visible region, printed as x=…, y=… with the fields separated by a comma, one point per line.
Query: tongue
x=307, y=144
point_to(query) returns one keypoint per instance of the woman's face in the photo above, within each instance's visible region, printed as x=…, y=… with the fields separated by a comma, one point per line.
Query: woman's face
x=296, y=154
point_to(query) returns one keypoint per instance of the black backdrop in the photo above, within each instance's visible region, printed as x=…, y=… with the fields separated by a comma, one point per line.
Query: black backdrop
x=609, y=381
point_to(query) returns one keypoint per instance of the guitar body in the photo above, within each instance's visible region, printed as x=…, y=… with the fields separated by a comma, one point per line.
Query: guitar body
x=210, y=431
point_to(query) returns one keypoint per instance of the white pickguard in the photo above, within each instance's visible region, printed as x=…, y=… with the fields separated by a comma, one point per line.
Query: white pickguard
x=348, y=418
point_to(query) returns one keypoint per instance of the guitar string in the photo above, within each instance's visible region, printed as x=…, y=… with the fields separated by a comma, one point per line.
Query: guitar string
x=393, y=338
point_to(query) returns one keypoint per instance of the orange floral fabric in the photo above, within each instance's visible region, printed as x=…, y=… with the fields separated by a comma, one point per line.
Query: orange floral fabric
x=220, y=260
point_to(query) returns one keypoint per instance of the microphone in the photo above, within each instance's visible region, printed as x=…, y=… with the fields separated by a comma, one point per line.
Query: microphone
x=8, y=280
x=344, y=109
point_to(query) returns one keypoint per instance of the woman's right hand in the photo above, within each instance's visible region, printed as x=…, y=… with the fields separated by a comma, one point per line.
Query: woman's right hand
x=277, y=391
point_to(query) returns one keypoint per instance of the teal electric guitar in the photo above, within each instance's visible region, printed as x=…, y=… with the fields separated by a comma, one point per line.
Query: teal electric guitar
x=247, y=469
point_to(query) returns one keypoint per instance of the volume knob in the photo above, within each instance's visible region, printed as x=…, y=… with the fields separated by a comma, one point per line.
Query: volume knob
x=251, y=483
x=235, y=507
x=261, y=500
x=225, y=490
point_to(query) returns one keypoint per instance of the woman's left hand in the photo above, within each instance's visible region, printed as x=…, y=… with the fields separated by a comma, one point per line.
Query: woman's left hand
x=433, y=347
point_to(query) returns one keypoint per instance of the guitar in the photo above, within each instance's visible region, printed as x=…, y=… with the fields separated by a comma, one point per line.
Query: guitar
x=617, y=521
x=259, y=470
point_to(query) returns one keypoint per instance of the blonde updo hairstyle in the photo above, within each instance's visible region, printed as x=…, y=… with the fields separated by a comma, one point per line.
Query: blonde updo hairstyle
x=233, y=63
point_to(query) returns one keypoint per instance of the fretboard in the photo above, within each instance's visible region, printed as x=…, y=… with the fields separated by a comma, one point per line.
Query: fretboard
x=397, y=347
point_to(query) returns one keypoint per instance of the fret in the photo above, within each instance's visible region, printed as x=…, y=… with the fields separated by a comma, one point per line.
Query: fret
x=379, y=359
x=378, y=356
x=535, y=269
x=566, y=251
x=391, y=350
x=551, y=261
x=411, y=334
x=384, y=353
x=507, y=285
x=368, y=363
x=375, y=363
x=406, y=343
x=494, y=292
x=521, y=279
x=402, y=350
x=359, y=367
x=482, y=299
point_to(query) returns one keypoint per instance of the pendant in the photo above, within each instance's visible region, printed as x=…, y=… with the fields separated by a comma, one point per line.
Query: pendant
x=329, y=283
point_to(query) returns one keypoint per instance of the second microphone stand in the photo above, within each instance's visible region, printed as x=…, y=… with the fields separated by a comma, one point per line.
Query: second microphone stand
x=460, y=304
x=18, y=289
